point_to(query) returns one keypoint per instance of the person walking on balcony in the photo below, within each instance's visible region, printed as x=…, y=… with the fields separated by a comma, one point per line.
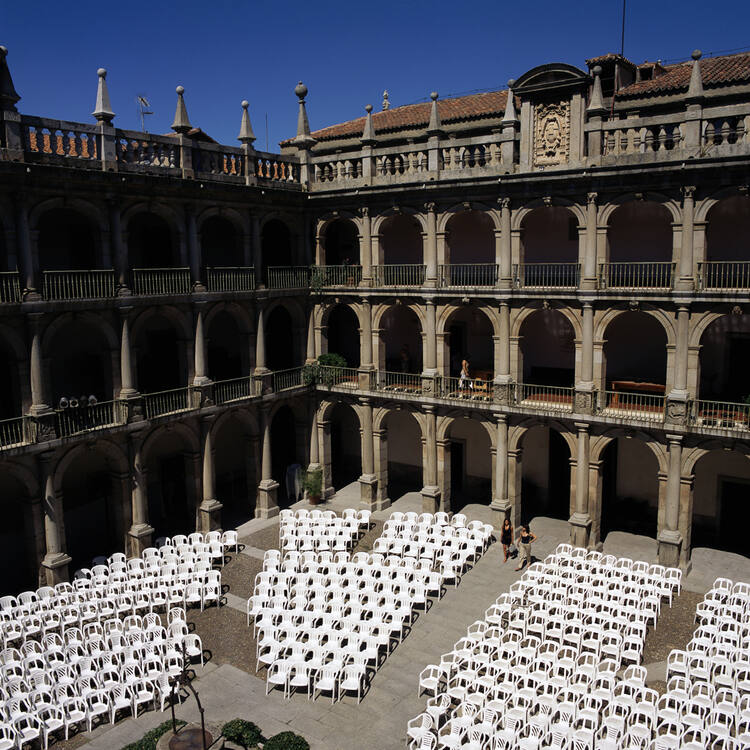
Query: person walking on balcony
x=464, y=380
x=525, y=539
x=506, y=537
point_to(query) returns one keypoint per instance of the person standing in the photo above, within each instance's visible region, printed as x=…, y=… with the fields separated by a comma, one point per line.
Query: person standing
x=525, y=539
x=506, y=537
x=464, y=380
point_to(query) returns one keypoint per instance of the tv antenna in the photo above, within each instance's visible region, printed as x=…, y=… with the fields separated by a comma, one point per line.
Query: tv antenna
x=144, y=108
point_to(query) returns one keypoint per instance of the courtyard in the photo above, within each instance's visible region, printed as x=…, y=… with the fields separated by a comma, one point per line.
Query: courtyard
x=230, y=687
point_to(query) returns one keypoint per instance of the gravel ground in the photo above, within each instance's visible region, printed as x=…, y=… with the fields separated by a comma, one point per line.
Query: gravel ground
x=368, y=539
x=238, y=576
x=674, y=628
x=267, y=538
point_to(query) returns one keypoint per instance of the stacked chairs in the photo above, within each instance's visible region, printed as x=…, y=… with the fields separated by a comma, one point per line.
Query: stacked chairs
x=544, y=668
x=82, y=651
x=321, y=530
x=325, y=620
x=708, y=683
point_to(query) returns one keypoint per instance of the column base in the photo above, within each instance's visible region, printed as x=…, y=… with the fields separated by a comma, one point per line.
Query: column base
x=670, y=546
x=140, y=536
x=430, y=499
x=56, y=567
x=368, y=490
x=580, y=529
x=266, y=505
x=684, y=284
x=500, y=508
x=589, y=284
x=210, y=515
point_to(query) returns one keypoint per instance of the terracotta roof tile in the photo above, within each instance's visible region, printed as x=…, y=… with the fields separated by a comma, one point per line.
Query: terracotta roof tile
x=715, y=71
x=458, y=109
x=609, y=56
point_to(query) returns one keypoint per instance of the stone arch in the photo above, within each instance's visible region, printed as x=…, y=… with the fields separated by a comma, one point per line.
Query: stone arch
x=339, y=242
x=99, y=322
x=287, y=318
x=69, y=236
x=550, y=234
x=237, y=311
x=155, y=236
x=520, y=315
x=174, y=218
x=179, y=318
x=444, y=422
x=546, y=349
x=723, y=351
x=703, y=207
x=115, y=454
x=288, y=424
x=94, y=212
x=401, y=240
x=467, y=331
x=237, y=218
x=27, y=478
x=470, y=237
x=447, y=214
x=276, y=242
x=386, y=214
x=728, y=230
x=672, y=205
x=378, y=310
x=221, y=234
x=400, y=343
x=345, y=428
x=602, y=323
x=227, y=341
x=520, y=214
x=342, y=334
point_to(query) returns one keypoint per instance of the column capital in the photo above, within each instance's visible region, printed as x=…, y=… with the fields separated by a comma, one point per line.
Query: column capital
x=364, y=211
x=365, y=401
x=501, y=419
x=688, y=192
x=673, y=439
x=582, y=426
x=591, y=198
x=503, y=202
x=430, y=206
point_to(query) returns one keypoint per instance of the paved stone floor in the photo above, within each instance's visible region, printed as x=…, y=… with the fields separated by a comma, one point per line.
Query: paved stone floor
x=379, y=722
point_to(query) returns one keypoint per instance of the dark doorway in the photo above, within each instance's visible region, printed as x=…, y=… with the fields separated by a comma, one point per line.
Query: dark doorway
x=223, y=345
x=276, y=244
x=342, y=244
x=150, y=242
x=169, y=508
x=284, y=453
x=159, y=361
x=734, y=514
x=10, y=394
x=343, y=334
x=17, y=554
x=458, y=473
x=548, y=493
x=280, y=340
x=346, y=458
x=457, y=334
x=737, y=388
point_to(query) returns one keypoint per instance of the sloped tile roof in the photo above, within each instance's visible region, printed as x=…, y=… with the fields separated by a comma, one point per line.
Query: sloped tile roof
x=715, y=71
x=458, y=109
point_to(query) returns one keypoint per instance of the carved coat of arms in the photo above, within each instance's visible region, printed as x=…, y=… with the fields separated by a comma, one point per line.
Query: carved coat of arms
x=551, y=133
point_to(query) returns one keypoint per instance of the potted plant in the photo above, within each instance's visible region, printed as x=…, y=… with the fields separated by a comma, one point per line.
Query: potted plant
x=330, y=368
x=313, y=485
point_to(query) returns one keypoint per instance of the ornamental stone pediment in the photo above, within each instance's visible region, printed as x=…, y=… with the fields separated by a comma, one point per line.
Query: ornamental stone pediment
x=542, y=81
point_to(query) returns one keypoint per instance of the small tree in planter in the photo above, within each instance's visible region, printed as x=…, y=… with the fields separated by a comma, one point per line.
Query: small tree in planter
x=286, y=741
x=330, y=368
x=313, y=485
x=242, y=732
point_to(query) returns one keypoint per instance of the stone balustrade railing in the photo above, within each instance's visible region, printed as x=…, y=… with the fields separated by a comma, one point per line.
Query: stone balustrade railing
x=145, y=152
x=58, y=140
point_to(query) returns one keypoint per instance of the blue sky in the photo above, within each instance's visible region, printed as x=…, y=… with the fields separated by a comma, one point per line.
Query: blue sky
x=346, y=52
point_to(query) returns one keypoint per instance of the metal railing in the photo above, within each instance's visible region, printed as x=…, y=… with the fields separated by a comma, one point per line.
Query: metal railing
x=10, y=287
x=148, y=281
x=347, y=377
x=288, y=277
x=234, y=389
x=468, y=274
x=399, y=382
x=404, y=274
x=472, y=389
x=641, y=275
x=17, y=431
x=74, y=421
x=282, y=380
x=546, y=275
x=94, y=284
x=724, y=274
x=721, y=414
x=336, y=275
x=547, y=397
x=166, y=402
x=641, y=406
x=230, y=279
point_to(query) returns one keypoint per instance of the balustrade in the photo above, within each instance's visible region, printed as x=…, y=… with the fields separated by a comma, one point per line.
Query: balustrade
x=288, y=277
x=640, y=275
x=336, y=276
x=406, y=274
x=230, y=279
x=725, y=130
x=472, y=389
x=235, y=389
x=150, y=281
x=16, y=432
x=468, y=274
x=10, y=287
x=347, y=377
x=273, y=167
x=77, y=420
x=214, y=159
x=72, y=285
x=546, y=397
x=54, y=140
x=282, y=380
x=135, y=151
x=721, y=414
x=395, y=162
x=399, y=382
x=338, y=170
x=166, y=402
x=546, y=275
x=729, y=274
x=641, y=406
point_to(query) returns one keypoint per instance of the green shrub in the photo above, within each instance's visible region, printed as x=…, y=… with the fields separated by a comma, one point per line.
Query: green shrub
x=242, y=732
x=149, y=740
x=286, y=741
x=331, y=360
x=313, y=483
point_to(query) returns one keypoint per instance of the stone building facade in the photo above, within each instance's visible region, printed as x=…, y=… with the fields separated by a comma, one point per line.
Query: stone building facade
x=582, y=238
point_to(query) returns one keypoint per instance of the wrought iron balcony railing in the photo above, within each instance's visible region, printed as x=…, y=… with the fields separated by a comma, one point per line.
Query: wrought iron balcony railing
x=546, y=275
x=168, y=281
x=403, y=274
x=468, y=274
x=724, y=275
x=230, y=279
x=639, y=275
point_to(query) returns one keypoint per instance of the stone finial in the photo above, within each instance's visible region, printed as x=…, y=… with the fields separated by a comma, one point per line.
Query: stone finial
x=596, y=105
x=181, y=122
x=246, y=129
x=510, y=104
x=103, y=109
x=368, y=133
x=8, y=94
x=434, y=127
x=695, y=90
x=303, y=139
x=386, y=103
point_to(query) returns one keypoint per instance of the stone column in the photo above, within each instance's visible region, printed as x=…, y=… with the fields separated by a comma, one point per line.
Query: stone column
x=56, y=560
x=503, y=379
x=314, y=445
x=310, y=358
x=505, y=259
x=141, y=533
x=580, y=521
x=500, y=503
x=430, y=491
x=266, y=505
x=588, y=270
x=584, y=396
x=670, y=538
x=210, y=507
x=39, y=549
x=201, y=376
x=677, y=399
x=430, y=246
x=368, y=483
x=127, y=388
x=380, y=450
x=29, y=270
x=365, y=247
x=260, y=343
x=685, y=279
x=366, y=365
x=119, y=250
x=39, y=404
x=194, y=249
